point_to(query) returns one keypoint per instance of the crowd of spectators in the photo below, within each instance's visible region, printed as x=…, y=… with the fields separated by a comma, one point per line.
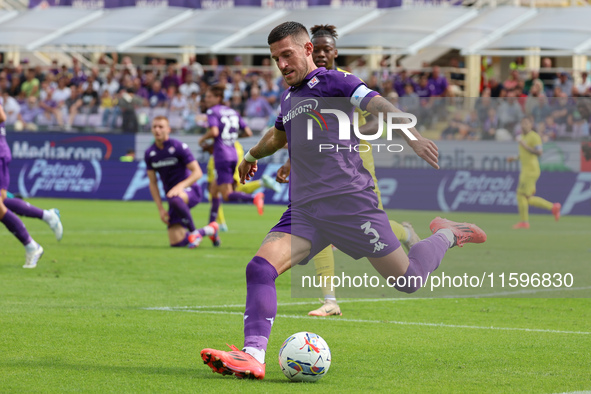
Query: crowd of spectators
x=124, y=96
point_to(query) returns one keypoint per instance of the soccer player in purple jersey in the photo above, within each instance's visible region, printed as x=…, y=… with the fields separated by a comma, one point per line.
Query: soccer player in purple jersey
x=33, y=251
x=224, y=126
x=336, y=205
x=178, y=171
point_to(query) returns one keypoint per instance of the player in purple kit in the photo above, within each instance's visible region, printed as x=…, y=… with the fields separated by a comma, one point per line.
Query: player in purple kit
x=224, y=126
x=178, y=171
x=33, y=251
x=335, y=202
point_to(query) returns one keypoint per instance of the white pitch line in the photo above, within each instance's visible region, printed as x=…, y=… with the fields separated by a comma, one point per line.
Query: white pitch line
x=168, y=309
x=342, y=301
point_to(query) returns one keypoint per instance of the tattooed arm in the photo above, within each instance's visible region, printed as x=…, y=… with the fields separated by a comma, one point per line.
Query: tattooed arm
x=424, y=148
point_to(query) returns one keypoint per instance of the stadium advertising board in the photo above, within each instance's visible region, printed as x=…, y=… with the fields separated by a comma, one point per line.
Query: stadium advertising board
x=479, y=191
x=443, y=190
x=215, y=4
x=61, y=146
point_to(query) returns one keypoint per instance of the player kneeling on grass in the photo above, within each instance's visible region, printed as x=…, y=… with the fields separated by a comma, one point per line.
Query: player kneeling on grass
x=340, y=206
x=178, y=171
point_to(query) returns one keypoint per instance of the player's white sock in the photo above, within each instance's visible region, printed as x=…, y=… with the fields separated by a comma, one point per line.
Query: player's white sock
x=47, y=216
x=31, y=246
x=330, y=298
x=449, y=235
x=209, y=230
x=258, y=354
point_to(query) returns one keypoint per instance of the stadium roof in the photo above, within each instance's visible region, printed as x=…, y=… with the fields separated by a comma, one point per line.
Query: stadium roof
x=489, y=31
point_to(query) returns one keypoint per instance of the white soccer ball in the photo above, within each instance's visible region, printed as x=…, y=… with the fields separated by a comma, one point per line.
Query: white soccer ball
x=304, y=357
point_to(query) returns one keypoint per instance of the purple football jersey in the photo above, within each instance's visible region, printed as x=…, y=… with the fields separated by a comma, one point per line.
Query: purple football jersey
x=170, y=162
x=321, y=174
x=4, y=148
x=229, y=123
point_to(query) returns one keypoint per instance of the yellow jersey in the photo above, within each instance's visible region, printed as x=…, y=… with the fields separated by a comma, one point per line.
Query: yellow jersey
x=530, y=163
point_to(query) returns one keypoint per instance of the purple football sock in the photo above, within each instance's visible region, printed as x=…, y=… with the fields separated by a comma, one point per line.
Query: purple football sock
x=23, y=208
x=183, y=243
x=240, y=197
x=261, y=303
x=16, y=226
x=182, y=209
x=424, y=257
x=215, y=207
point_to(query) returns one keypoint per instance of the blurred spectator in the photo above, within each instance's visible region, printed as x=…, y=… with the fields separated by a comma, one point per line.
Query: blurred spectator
x=110, y=109
x=550, y=129
x=580, y=128
x=438, y=83
x=189, y=86
x=547, y=77
x=15, y=84
x=11, y=107
x=564, y=83
x=128, y=66
x=491, y=124
x=91, y=80
x=178, y=102
x=582, y=89
x=87, y=103
x=270, y=90
x=511, y=81
x=410, y=101
x=128, y=105
x=171, y=78
x=373, y=83
x=483, y=104
x=110, y=85
x=157, y=97
x=535, y=76
x=237, y=102
x=194, y=68
x=453, y=128
x=51, y=109
x=495, y=88
x=28, y=114
x=400, y=81
x=360, y=70
x=509, y=111
x=541, y=110
x=31, y=85
x=256, y=106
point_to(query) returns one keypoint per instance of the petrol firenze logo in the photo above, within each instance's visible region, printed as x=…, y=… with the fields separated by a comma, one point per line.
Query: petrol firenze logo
x=344, y=130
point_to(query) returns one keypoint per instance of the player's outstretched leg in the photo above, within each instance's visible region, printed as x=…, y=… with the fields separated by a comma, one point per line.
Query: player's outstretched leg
x=261, y=305
x=324, y=265
x=425, y=256
x=49, y=216
x=182, y=210
x=215, y=208
x=539, y=202
x=33, y=251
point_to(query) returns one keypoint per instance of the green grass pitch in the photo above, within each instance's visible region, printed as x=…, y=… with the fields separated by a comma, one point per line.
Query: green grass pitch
x=80, y=321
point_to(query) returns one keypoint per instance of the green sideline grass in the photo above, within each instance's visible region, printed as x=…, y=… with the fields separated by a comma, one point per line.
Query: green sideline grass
x=80, y=320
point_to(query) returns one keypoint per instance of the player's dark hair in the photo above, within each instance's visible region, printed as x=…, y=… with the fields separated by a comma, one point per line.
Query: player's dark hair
x=217, y=90
x=324, y=31
x=287, y=29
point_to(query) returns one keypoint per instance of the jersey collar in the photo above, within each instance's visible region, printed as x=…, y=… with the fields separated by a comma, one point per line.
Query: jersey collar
x=307, y=78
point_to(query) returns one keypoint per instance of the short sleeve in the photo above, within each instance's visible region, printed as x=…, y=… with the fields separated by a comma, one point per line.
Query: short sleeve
x=212, y=119
x=147, y=160
x=348, y=85
x=185, y=154
x=242, y=122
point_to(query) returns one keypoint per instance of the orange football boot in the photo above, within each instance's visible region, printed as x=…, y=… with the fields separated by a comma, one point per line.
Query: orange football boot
x=215, y=238
x=463, y=232
x=259, y=202
x=236, y=362
x=521, y=225
x=556, y=210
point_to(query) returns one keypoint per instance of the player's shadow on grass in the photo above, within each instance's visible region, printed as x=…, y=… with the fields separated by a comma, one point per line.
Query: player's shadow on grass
x=199, y=371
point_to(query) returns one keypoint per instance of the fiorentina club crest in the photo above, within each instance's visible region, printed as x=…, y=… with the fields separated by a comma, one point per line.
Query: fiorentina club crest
x=313, y=82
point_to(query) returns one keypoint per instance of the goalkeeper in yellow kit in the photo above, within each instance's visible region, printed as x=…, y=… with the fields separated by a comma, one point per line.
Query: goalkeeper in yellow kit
x=324, y=41
x=530, y=149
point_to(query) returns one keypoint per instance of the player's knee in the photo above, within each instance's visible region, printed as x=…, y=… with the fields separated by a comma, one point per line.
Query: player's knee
x=259, y=270
x=176, y=202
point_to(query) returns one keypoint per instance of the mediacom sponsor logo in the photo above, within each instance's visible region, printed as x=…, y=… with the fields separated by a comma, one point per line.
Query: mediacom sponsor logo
x=43, y=176
x=479, y=190
x=64, y=149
